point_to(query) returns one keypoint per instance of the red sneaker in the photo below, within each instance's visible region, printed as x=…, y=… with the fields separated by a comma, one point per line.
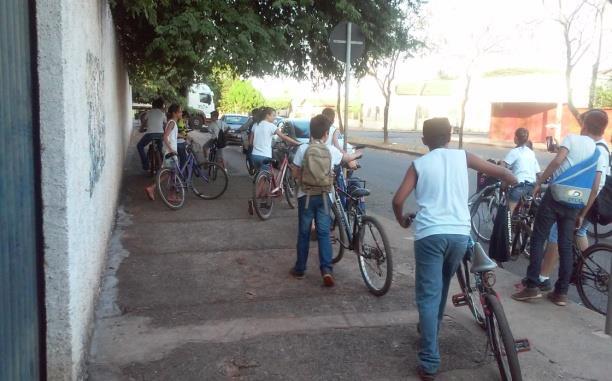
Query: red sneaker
x=328, y=280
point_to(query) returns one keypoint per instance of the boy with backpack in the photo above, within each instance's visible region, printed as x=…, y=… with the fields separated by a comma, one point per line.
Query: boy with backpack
x=216, y=129
x=314, y=168
x=576, y=173
x=442, y=227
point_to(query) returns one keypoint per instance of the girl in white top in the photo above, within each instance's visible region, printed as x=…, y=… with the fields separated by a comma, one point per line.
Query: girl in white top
x=524, y=165
x=175, y=113
x=261, y=136
x=334, y=132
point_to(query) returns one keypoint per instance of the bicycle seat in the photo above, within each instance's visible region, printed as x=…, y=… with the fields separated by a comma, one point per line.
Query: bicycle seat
x=481, y=262
x=359, y=192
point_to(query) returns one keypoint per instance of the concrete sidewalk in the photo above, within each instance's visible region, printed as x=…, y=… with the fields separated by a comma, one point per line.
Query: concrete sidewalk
x=203, y=293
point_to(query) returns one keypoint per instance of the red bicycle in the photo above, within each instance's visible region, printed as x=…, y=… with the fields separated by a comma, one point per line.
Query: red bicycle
x=273, y=182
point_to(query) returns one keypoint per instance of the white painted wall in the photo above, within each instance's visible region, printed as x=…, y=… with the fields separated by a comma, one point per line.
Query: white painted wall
x=85, y=100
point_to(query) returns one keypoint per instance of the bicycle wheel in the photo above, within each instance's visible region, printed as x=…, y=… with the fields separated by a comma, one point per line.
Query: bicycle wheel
x=290, y=190
x=482, y=216
x=206, y=186
x=520, y=241
x=154, y=159
x=502, y=341
x=338, y=236
x=473, y=301
x=603, y=231
x=263, y=202
x=374, y=256
x=170, y=187
x=250, y=168
x=593, y=283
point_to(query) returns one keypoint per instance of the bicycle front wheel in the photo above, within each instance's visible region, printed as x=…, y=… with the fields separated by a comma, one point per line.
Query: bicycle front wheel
x=593, y=283
x=338, y=236
x=170, y=187
x=482, y=216
x=263, y=202
x=374, y=255
x=290, y=190
x=206, y=186
x=603, y=231
x=502, y=341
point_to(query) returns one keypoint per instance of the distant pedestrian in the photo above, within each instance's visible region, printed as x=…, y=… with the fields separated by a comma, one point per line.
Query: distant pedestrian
x=442, y=227
x=170, y=149
x=156, y=120
x=215, y=128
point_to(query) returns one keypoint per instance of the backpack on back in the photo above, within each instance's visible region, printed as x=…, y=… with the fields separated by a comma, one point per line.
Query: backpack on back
x=601, y=211
x=221, y=140
x=317, y=176
x=573, y=187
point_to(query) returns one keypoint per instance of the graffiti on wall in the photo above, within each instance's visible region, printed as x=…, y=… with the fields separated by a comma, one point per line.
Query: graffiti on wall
x=96, y=125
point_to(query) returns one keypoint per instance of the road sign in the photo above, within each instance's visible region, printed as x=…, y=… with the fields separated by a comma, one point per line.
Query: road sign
x=338, y=41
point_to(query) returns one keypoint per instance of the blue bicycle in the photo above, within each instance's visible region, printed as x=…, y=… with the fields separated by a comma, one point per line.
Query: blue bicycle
x=207, y=180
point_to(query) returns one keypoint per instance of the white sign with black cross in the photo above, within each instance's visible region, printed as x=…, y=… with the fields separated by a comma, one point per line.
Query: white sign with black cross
x=347, y=43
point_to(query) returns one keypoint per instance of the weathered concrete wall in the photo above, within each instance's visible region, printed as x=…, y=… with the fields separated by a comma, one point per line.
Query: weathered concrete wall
x=85, y=101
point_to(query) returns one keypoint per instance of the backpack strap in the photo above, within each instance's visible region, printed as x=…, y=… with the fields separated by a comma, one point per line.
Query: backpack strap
x=605, y=146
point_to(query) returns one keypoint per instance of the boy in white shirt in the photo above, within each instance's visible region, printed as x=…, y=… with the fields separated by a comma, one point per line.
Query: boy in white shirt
x=524, y=165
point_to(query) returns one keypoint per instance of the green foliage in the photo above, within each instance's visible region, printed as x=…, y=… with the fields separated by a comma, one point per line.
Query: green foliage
x=279, y=103
x=241, y=97
x=182, y=42
x=603, y=97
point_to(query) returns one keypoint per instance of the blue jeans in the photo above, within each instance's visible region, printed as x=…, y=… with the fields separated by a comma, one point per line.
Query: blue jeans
x=437, y=259
x=316, y=210
x=548, y=213
x=519, y=190
x=258, y=162
x=146, y=139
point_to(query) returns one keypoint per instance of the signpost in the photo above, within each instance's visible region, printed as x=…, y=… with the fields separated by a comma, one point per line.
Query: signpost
x=347, y=43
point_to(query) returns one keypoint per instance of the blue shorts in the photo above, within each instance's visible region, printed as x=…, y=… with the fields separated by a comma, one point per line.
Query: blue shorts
x=582, y=232
x=258, y=161
x=520, y=190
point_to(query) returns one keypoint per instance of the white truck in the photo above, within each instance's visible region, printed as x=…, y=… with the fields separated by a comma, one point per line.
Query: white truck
x=201, y=101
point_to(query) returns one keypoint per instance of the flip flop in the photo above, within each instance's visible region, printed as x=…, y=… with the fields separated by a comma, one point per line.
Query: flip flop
x=150, y=195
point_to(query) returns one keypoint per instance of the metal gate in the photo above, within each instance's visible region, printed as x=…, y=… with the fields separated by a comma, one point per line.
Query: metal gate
x=21, y=297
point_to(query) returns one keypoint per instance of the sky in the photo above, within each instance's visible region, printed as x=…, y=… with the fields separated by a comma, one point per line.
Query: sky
x=519, y=33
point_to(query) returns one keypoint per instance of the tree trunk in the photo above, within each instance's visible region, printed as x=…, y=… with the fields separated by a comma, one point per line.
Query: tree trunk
x=593, y=87
x=386, y=118
x=463, y=104
x=338, y=106
x=570, y=98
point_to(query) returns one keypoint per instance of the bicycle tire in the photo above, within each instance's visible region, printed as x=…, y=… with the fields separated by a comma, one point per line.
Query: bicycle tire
x=290, y=190
x=385, y=259
x=467, y=290
x=250, y=168
x=173, y=181
x=601, y=231
x=490, y=204
x=202, y=186
x=589, y=270
x=338, y=236
x=501, y=340
x=154, y=160
x=263, y=205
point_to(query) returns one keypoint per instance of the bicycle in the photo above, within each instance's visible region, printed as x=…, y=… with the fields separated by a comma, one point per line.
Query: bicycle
x=483, y=210
x=212, y=158
x=191, y=175
x=487, y=310
x=522, y=226
x=154, y=156
x=352, y=229
x=269, y=186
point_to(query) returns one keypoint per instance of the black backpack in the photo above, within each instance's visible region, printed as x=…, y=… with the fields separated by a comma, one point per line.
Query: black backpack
x=221, y=141
x=500, y=245
x=601, y=211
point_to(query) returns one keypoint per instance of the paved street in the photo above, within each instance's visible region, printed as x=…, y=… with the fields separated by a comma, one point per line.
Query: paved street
x=203, y=293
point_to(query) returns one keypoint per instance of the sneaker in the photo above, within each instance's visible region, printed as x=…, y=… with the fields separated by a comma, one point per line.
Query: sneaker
x=544, y=286
x=558, y=299
x=296, y=274
x=527, y=293
x=328, y=280
x=423, y=375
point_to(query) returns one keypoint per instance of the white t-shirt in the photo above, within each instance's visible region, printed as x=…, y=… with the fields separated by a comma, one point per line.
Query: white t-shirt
x=523, y=163
x=262, y=138
x=603, y=165
x=580, y=148
x=215, y=126
x=441, y=193
x=172, y=137
x=336, y=158
x=330, y=138
x=156, y=120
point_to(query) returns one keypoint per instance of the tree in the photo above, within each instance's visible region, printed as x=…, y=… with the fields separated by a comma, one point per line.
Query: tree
x=599, y=16
x=242, y=97
x=183, y=41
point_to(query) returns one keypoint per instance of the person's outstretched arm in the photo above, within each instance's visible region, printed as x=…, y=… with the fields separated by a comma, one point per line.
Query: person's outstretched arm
x=497, y=171
x=402, y=193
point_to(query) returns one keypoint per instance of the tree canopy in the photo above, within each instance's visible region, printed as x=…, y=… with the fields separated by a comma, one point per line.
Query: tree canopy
x=241, y=97
x=182, y=42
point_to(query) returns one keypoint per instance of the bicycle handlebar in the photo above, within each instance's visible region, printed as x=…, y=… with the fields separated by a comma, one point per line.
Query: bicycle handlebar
x=409, y=219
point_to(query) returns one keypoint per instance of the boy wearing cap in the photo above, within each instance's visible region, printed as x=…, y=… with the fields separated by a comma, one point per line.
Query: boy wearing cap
x=442, y=227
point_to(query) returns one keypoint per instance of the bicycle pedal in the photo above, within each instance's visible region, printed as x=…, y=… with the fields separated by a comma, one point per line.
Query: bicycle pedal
x=459, y=300
x=522, y=345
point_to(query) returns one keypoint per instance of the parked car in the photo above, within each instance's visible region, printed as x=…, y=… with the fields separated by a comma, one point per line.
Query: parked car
x=234, y=121
x=299, y=129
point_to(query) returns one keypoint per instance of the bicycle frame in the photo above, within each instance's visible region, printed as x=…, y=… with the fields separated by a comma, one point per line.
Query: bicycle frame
x=349, y=225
